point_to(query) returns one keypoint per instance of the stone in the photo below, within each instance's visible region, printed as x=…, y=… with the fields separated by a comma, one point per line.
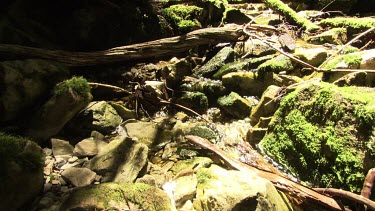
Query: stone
x=23, y=83
x=254, y=135
x=147, y=133
x=61, y=148
x=223, y=57
x=185, y=190
x=337, y=36
x=69, y=97
x=266, y=106
x=313, y=56
x=197, y=101
x=234, y=15
x=124, y=196
x=357, y=60
x=254, y=48
x=102, y=117
x=120, y=161
x=352, y=79
x=235, y=105
x=276, y=65
x=45, y=202
x=220, y=189
x=88, y=147
x=244, y=83
x=78, y=177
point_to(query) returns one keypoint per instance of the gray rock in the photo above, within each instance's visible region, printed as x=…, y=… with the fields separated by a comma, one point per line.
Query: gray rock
x=224, y=56
x=186, y=188
x=24, y=82
x=61, y=148
x=147, y=133
x=88, y=147
x=120, y=161
x=254, y=47
x=78, y=177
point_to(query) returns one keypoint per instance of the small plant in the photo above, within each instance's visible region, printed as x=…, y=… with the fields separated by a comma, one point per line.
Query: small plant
x=76, y=84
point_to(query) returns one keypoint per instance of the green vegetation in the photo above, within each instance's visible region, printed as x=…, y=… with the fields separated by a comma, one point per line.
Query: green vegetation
x=76, y=84
x=194, y=100
x=350, y=23
x=204, y=132
x=235, y=105
x=183, y=18
x=276, y=65
x=12, y=150
x=321, y=133
x=352, y=60
x=204, y=175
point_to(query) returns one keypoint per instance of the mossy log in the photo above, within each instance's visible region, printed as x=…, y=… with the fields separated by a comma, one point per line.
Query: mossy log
x=156, y=48
x=291, y=15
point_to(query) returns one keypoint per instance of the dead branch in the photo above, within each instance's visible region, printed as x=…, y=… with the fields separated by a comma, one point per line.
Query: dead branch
x=114, y=88
x=348, y=195
x=368, y=184
x=284, y=184
x=162, y=47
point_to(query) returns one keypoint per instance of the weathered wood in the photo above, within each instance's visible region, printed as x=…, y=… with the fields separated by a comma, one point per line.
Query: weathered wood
x=284, y=184
x=167, y=46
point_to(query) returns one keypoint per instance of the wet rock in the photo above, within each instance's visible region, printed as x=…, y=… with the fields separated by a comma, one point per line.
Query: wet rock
x=125, y=196
x=313, y=56
x=69, y=97
x=88, y=147
x=254, y=47
x=223, y=57
x=24, y=83
x=235, y=105
x=196, y=101
x=236, y=192
x=203, y=131
x=266, y=106
x=78, y=177
x=61, y=148
x=120, y=161
x=211, y=88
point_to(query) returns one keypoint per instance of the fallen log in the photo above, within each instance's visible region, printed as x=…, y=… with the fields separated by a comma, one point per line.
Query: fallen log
x=283, y=184
x=161, y=47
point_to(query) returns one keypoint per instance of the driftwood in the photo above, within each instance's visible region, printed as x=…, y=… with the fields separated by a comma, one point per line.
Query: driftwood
x=283, y=184
x=167, y=46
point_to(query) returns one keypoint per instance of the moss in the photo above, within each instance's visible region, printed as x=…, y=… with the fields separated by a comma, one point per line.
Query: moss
x=235, y=105
x=204, y=132
x=276, y=65
x=194, y=100
x=146, y=196
x=76, y=84
x=352, y=23
x=183, y=18
x=352, y=60
x=320, y=133
x=11, y=150
x=280, y=7
x=204, y=175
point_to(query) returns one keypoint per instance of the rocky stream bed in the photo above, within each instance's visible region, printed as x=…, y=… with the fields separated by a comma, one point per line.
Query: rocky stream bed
x=268, y=109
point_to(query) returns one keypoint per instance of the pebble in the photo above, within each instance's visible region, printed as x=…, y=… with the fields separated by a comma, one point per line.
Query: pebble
x=73, y=159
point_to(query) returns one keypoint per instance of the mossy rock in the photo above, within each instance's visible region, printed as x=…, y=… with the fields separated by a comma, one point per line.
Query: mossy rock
x=211, y=88
x=183, y=18
x=234, y=15
x=114, y=196
x=353, y=25
x=196, y=101
x=276, y=65
x=235, y=105
x=77, y=84
x=325, y=135
x=21, y=171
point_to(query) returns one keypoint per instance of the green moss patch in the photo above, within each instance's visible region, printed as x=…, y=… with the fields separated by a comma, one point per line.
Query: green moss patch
x=352, y=60
x=183, y=18
x=323, y=134
x=76, y=84
x=352, y=23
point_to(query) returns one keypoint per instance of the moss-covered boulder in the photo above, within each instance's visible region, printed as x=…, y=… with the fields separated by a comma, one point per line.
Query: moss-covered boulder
x=183, y=18
x=276, y=65
x=235, y=105
x=325, y=134
x=353, y=25
x=114, y=196
x=21, y=171
x=211, y=88
x=336, y=36
x=196, y=101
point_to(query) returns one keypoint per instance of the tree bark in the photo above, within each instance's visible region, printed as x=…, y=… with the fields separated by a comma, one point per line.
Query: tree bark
x=283, y=184
x=162, y=47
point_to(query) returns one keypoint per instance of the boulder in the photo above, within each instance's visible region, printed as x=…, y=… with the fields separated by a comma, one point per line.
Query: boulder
x=124, y=196
x=336, y=36
x=21, y=172
x=89, y=147
x=267, y=105
x=78, y=177
x=234, y=15
x=244, y=83
x=211, y=88
x=220, y=189
x=322, y=134
x=186, y=187
x=223, y=57
x=235, y=105
x=69, y=97
x=120, y=161
x=277, y=64
x=24, y=83
x=61, y=148
x=197, y=101
x=313, y=56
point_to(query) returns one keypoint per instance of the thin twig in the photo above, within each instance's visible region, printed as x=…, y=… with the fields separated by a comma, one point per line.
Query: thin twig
x=350, y=42
x=116, y=88
x=279, y=50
